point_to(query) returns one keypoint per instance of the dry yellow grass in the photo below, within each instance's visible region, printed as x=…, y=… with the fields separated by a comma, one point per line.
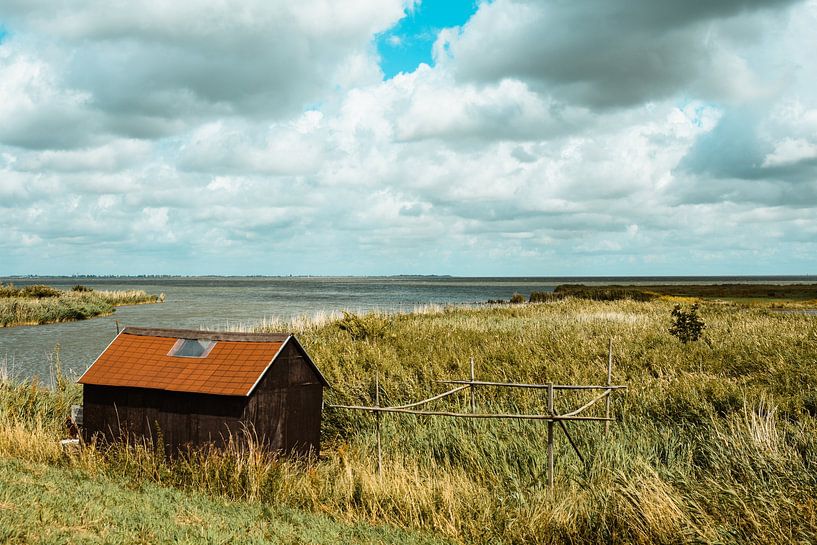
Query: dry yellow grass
x=68, y=306
x=716, y=440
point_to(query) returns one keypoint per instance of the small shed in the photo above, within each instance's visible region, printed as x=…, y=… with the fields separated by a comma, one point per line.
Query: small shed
x=190, y=388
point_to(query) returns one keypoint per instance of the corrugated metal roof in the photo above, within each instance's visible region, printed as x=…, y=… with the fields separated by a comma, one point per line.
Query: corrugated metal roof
x=139, y=358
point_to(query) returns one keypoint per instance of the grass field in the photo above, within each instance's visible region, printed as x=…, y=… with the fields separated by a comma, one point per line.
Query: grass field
x=716, y=440
x=37, y=305
x=66, y=505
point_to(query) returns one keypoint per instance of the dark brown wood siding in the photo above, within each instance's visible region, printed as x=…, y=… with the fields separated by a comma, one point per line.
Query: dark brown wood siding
x=179, y=419
x=285, y=408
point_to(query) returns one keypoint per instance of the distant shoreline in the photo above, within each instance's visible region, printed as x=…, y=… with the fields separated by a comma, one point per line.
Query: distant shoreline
x=808, y=278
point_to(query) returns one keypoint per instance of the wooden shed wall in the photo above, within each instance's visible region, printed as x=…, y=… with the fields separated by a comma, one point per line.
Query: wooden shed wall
x=284, y=410
x=286, y=405
x=181, y=418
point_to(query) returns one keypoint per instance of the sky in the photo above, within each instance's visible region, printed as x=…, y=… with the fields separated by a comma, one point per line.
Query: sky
x=378, y=137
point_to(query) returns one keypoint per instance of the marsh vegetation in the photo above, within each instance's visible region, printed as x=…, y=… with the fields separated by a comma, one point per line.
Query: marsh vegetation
x=716, y=440
x=748, y=292
x=40, y=304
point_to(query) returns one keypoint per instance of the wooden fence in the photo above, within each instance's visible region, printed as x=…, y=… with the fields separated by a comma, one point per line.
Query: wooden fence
x=552, y=417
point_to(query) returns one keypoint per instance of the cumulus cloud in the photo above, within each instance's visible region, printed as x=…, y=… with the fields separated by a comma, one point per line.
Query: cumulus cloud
x=281, y=148
x=790, y=151
x=612, y=54
x=507, y=110
x=548, y=138
x=111, y=157
x=36, y=111
x=153, y=68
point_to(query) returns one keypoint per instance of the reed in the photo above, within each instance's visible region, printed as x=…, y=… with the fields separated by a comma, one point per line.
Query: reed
x=716, y=440
x=45, y=305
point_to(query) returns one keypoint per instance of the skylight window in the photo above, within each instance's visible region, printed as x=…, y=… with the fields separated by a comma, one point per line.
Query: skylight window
x=191, y=348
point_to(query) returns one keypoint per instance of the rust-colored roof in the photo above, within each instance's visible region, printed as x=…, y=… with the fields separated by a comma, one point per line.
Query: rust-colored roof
x=139, y=358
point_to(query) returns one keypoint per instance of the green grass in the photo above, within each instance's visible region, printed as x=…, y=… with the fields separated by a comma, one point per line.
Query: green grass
x=42, y=503
x=37, y=305
x=716, y=440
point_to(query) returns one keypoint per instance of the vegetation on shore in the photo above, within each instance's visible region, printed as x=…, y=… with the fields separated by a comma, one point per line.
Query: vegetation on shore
x=797, y=292
x=716, y=440
x=768, y=295
x=39, y=304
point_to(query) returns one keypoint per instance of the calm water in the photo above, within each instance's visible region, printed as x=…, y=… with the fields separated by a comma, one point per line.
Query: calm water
x=219, y=302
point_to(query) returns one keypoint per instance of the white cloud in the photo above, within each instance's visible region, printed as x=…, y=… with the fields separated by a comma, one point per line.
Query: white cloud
x=612, y=54
x=150, y=69
x=237, y=148
x=35, y=110
x=506, y=110
x=114, y=156
x=790, y=151
x=163, y=132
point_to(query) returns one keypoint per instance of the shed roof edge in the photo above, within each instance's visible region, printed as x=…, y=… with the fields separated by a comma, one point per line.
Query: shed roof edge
x=79, y=380
x=206, y=335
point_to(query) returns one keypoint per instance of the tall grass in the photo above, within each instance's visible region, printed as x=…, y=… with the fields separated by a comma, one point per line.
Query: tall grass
x=716, y=441
x=126, y=297
x=21, y=307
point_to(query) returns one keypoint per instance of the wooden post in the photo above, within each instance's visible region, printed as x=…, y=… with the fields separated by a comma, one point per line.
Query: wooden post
x=550, y=437
x=609, y=382
x=117, y=326
x=471, y=389
x=378, y=415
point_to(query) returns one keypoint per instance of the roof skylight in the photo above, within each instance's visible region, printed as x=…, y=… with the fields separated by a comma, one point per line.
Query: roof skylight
x=191, y=348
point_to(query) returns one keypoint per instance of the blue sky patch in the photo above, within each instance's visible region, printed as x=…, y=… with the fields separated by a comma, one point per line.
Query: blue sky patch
x=403, y=47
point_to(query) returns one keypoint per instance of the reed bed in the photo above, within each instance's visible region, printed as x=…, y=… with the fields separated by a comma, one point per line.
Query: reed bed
x=716, y=440
x=46, y=306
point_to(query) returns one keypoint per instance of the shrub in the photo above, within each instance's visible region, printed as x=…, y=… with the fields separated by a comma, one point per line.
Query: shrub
x=545, y=296
x=517, y=298
x=81, y=288
x=604, y=293
x=8, y=290
x=687, y=325
x=39, y=291
x=364, y=327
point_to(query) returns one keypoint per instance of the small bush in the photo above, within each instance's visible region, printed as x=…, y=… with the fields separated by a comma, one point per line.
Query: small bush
x=604, y=293
x=364, y=327
x=687, y=325
x=39, y=291
x=517, y=298
x=545, y=297
x=81, y=288
x=9, y=290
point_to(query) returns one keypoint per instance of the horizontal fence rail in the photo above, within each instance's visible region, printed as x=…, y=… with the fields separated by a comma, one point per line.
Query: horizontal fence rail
x=551, y=417
x=533, y=386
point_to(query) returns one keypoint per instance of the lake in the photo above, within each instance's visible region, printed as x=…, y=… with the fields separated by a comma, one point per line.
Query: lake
x=225, y=302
